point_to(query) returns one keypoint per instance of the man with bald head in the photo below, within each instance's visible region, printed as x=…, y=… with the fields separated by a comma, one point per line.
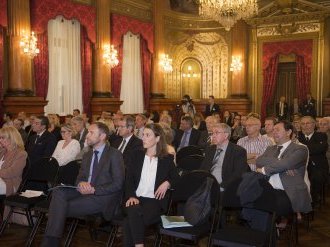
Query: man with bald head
x=206, y=135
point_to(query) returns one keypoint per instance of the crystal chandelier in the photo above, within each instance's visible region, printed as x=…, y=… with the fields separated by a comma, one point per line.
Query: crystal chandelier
x=28, y=44
x=110, y=56
x=227, y=12
x=236, y=64
x=166, y=63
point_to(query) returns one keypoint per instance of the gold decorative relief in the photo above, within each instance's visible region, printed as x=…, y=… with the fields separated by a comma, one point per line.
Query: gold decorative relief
x=287, y=29
x=141, y=10
x=210, y=51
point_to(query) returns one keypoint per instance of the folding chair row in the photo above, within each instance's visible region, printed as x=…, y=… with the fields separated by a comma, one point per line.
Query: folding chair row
x=39, y=175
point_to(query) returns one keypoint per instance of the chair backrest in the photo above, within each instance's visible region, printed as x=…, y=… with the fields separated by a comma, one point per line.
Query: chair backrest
x=24, y=174
x=68, y=173
x=190, y=182
x=188, y=150
x=42, y=174
x=190, y=162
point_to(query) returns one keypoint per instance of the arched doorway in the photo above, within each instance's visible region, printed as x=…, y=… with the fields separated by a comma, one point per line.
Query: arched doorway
x=191, y=78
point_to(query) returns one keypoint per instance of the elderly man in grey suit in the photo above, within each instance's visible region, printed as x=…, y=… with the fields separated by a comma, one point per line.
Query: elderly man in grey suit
x=99, y=186
x=285, y=164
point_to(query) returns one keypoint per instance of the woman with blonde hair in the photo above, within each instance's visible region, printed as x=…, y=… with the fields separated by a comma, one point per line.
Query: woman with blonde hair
x=12, y=160
x=68, y=148
x=54, y=126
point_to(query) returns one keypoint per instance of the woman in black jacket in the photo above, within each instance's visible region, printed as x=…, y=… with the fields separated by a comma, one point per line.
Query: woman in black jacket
x=150, y=174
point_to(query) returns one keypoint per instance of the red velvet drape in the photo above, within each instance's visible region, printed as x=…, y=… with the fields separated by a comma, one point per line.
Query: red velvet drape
x=146, y=71
x=120, y=25
x=3, y=13
x=303, y=77
x=270, y=76
x=2, y=36
x=86, y=70
x=303, y=49
x=41, y=66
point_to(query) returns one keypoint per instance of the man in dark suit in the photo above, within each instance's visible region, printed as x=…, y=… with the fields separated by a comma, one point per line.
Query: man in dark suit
x=212, y=107
x=128, y=141
x=318, y=164
x=99, y=186
x=43, y=143
x=78, y=125
x=308, y=107
x=225, y=160
x=186, y=135
x=282, y=109
x=206, y=135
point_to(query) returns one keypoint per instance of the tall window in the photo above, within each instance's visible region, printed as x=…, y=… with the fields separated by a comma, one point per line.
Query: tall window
x=65, y=84
x=131, y=88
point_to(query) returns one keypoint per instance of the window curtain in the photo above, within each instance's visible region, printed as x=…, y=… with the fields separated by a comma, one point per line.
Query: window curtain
x=146, y=71
x=65, y=83
x=86, y=71
x=41, y=66
x=131, y=88
x=270, y=76
x=303, y=77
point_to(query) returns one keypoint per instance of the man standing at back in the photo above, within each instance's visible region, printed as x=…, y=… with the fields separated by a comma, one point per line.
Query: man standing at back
x=99, y=186
x=212, y=107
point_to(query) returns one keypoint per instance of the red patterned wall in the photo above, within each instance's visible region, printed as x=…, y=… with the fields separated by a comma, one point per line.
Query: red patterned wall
x=44, y=10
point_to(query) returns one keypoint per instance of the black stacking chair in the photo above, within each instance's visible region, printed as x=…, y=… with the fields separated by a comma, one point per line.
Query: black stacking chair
x=188, y=150
x=185, y=187
x=66, y=175
x=236, y=232
x=42, y=174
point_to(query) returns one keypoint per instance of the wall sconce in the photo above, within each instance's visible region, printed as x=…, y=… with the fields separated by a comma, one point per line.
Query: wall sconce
x=28, y=44
x=166, y=63
x=236, y=64
x=110, y=56
x=190, y=73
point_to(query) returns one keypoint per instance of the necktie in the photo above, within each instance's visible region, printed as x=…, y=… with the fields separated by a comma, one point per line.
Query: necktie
x=307, y=138
x=209, y=139
x=278, y=151
x=37, y=138
x=95, y=164
x=184, y=140
x=122, y=145
x=216, y=156
x=138, y=133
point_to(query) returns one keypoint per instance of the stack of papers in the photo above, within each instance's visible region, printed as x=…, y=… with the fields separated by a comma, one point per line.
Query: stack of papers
x=174, y=221
x=31, y=193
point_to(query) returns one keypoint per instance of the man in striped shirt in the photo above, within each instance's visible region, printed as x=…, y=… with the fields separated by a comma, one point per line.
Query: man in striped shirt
x=254, y=143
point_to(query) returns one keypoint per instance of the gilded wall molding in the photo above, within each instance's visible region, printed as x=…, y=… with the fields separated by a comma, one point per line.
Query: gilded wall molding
x=141, y=9
x=287, y=29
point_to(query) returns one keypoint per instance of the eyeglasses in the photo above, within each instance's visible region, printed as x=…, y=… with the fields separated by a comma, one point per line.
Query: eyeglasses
x=306, y=123
x=218, y=132
x=122, y=126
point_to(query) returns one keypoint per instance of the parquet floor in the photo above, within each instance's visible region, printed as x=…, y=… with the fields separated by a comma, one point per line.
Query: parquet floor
x=317, y=236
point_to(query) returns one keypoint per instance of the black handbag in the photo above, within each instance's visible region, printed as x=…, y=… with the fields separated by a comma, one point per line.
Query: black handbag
x=198, y=206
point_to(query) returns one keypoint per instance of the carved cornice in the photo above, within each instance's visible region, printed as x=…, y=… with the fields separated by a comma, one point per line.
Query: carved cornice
x=288, y=29
x=141, y=9
x=292, y=18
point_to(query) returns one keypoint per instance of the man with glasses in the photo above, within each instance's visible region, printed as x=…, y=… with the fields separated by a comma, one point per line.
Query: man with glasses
x=237, y=129
x=317, y=144
x=43, y=143
x=128, y=141
x=80, y=130
x=254, y=143
x=225, y=160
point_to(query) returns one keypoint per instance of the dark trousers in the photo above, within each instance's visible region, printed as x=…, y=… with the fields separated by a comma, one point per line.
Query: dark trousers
x=69, y=203
x=317, y=177
x=146, y=213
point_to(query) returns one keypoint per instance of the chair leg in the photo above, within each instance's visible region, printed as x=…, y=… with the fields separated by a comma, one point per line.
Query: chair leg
x=71, y=232
x=112, y=236
x=34, y=230
x=29, y=217
x=5, y=222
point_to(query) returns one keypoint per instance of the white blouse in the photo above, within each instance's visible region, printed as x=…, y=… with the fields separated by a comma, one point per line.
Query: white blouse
x=146, y=186
x=67, y=154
